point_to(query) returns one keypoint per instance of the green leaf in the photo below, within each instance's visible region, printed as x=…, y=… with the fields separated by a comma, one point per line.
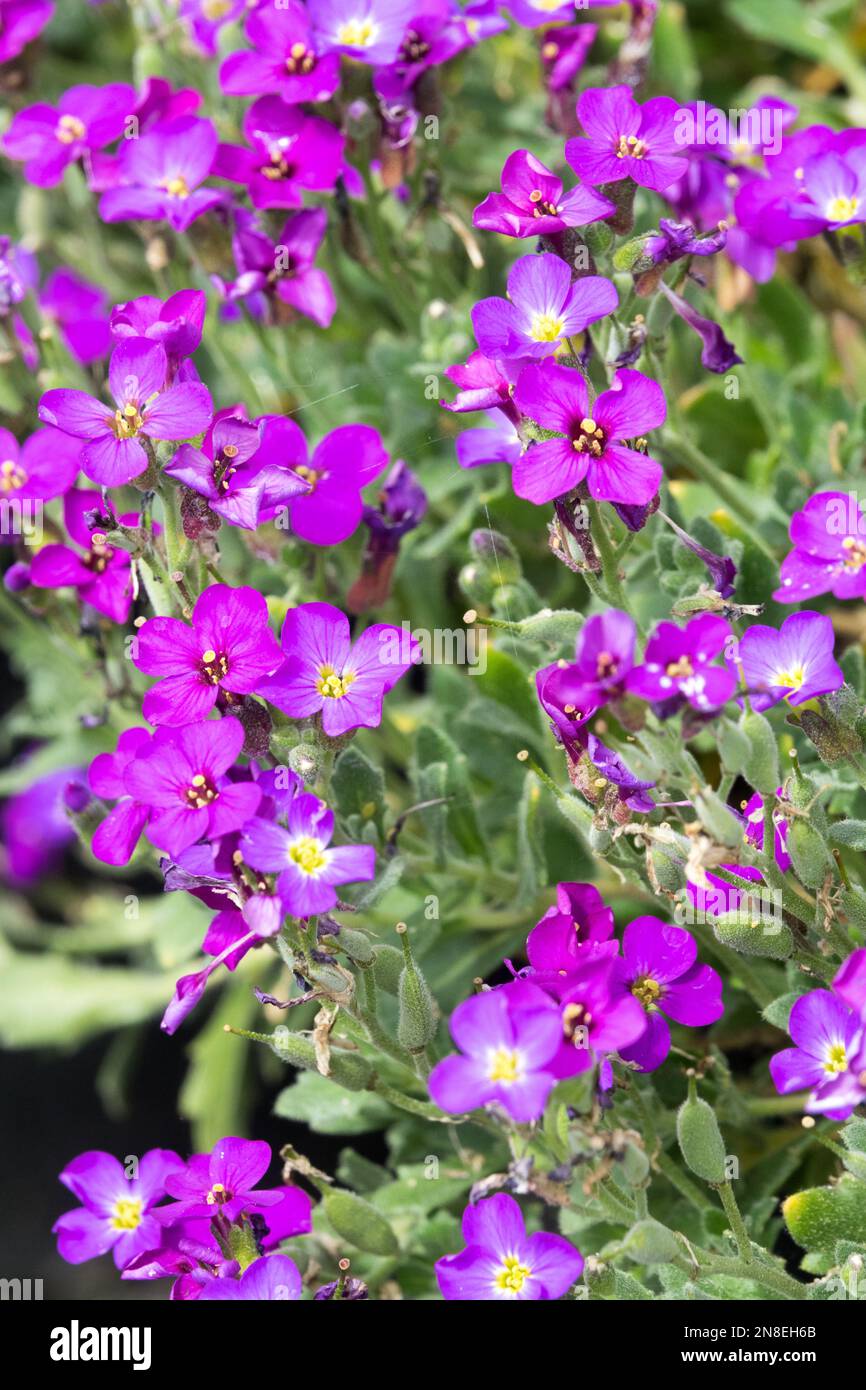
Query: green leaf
x=358, y=785
x=849, y=832
x=330, y=1109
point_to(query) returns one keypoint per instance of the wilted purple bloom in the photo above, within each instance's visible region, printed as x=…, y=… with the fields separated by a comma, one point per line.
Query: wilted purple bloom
x=351, y=1290
x=117, y=1211
x=501, y=1261
x=829, y=1053
x=435, y=32
x=325, y=673
x=78, y=309
x=137, y=374
x=48, y=138
x=309, y=868
x=717, y=354
x=20, y=22
x=556, y=398
x=181, y=778
x=580, y=918
x=613, y=768
x=402, y=505
x=221, y=1183
x=532, y=202
x=496, y=442
x=661, y=971
x=44, y=466
x=283, y=271
x=160, y=175
x=348, y=458
x=720, y=896
x=117, y=836
x=231, y=934
x=568, y=706
x=35, y=827
x=721, y=568
x=483, y=385
x=284, y=60
x=187, y=1253
x=674, y=240
x=228, y=647
x=625, y=140
x=543, y=307
x=508, y=1038
x=829, y=554
x=677, y=665
x=204, y=18
x=290, y=152
x=794, y=663
x=370, y=31
x=271, y=1276
x=100, y=573
x=753, y=815
x=175, y=324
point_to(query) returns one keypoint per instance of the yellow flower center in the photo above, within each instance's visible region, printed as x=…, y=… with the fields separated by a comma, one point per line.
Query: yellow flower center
x=215, y=9
x=126, y=421
x=357, y=33
x=69, y=129
x=505, y=1065
x=214, y=667
x=842, y=209
x=629, y=146
x=589, y=439
x=200, y=792
x=646, y=990
x=855, y=557
x=680, y=669
x=127, y=1214
x=177, y=187
x=218, y=1195
x=307, y=854
x=332, y=686
x=836, y=1059
x=545, y=328
x=791, y=680
x=513, y=1275
x=11, y=476
x=300, y=59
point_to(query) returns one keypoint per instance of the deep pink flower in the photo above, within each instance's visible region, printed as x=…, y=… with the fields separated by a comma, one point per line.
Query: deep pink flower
x=544, y=306
x=78, y=310
x=48, y=138
x=660, y=969
x=284, y=61
x=290, y=152
x=532, y=202
x=100, y=573
x=624, y=140
x=341, y=465
x=160, y=174
x=44, y=466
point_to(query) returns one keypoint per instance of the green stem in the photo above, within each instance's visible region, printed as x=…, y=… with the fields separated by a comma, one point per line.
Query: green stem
x=738, y=1226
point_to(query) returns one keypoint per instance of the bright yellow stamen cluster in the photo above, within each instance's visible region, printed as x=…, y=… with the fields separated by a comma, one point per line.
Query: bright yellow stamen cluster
x=127, y=1214
x=505, y=1065
x=646, y=990
x=842, y=209
x=837, y=1061
x=69, y=129
x=513, y=1275
x=177, y=187
x=332, y=685
x=357, y=33
x=308, y=855
x=11, y=476
x=630, y=146
x=545, y=328
x=791, y=680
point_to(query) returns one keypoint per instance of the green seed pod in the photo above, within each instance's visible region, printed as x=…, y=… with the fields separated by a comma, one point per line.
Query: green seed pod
x=358, y=1222
x=631, y=255
x=700, y=1138
x=348, y=1069
x=418, y=1013
x=516, y=601
x=357, y=946
x=853, y=903
x=820, y=1216
x=810, y=857
x=767, y=936
x=387, y=968
x=856, y=1164
x=668, y=872
x=650, y=1243
x=718, y=818
x=761, y=766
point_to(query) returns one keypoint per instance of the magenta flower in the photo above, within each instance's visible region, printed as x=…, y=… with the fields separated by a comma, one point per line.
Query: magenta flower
x=204, y=19
x=271, y=1276
x=508, y=1038
x=592, y=447
x=78, y=310
x=290, y=152
x=35, y=827
x=677, y=666
x=533, y=13
x=228, y=474
x=44, y=466
x=833, y=189
x=580, y=917
x=753, y=815
x=609, y=765
x=117, y=1211
x=117, y=836
x=187, y=1253
x=563, y=54
x=829, y=1054
x=229, y=647
x=309, y=869
x=113, y=453
x=181, y=778
x=501, y=1261
x=160, y=175
x=598, y=1015
x=222, y=1183
x=370, y=31
x=483, y=385
x=282, y=274
x=497, y=442
x=48, y=138
x=325, y=673
x=568, y=705
x=284, y=60
x=532, y=202
x=661, y=971
x=829, y=554
x=624, y=140
x=232, y=933
x=543, y=307
x=20, y=22
x=604, y=654
x=343, y=463
x=101, y=575
x=794, y=663
x=175, y=324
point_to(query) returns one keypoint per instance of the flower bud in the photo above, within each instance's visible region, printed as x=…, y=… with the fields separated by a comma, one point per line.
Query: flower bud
x=810, y=857
x=305, y=760
x=853, y=904
x=387, y=968
x=761, y=765
x=357, y=945
x=700, y=1138
x=820, y=1216
x=495, y=555
x=766, y=936
x=476, y=584
x=348, y=1069
x=650, y=1243
x=418, y=1012
x=669, y=874
x=358, y=1222
x=634, y=1165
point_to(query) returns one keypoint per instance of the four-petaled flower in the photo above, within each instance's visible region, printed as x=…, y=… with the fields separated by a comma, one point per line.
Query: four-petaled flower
x=309, y=868
x=502, y=1261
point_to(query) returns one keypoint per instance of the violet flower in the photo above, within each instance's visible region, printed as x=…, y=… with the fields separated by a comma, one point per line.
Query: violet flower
x=661, y=971
x=556, y=398
x=222, y=1183
x=282, y=272
x=833, y=189
x=563, y=53
x=677, y=665
x=284, y=60
x=309, y=869
x=21, y=21
x=402, y=505
x=230, y=474
x=532, y=202
x=496, y=442
x=753, y=815
x=343, y=463
x=290, y=152
x=794, y=663
x=483, y=385
x=116, y=837
x=604, y=654
x=829, y=554
x=228, y=647
x=598, y=1016
x=717, y=354
x=48, y=138
x=543, y=307
x=100, y=573
x=580, y=919
x=623, y=139
x=829, y=1054
x=175, y=324
x=160, y=175
x=501, y=1262
x=271, y=1276
x=325, y=673
x=721, y=568
x=370, y=31
x=203, y=20
x=44, y=466
x=113, y=453
x=568, y=705
x=117, y=1211
x=78, y=310
x=35, y=827
x=610, y=766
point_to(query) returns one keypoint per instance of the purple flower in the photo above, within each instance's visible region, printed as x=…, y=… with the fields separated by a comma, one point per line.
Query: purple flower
x=543, y=307
x=721, y=568
x=271, y=1276
x=20, y=22
x=290, y=152
x=309, y=870
x=829, y=554
x=285, y=61
x=563, y=53
x=325, y=673
x=370, y=31
x=833, y=189
x=78, y=309
x=231, y=934
x=101, y=575
x=44, y=466
x=160, y=175
x=604, y=654
x=137, y=373
x=181, y=778
x=228, y=647
x=568, y=705
x=117, y=1211
x=828, y=1056
x=717, y=354
x=580, y=919
x=117, y=836
x=175, y=324
x=48, y=138
x=187, y=1253
x=402, y=505
x=221, y=1183
x=342, y=464
x=19, y=273
x=284, y=272
x=677, y=665
x=501, y=1261
x=228, y=471
x=794, y=663
x=613, y=768
x=532, y=202
x=35, y=825
x=496, y=442
x=508, y=1038
x=533, y=13
x=661, y=970
x=625, y=140
x=674, y=240
x=556, y=398
x=598, y=1015
x=205, y=18
x=753, y=815
x=482, y=384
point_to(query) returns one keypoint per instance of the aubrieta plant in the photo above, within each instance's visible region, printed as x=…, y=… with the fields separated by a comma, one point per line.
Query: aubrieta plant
x=504, y=779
